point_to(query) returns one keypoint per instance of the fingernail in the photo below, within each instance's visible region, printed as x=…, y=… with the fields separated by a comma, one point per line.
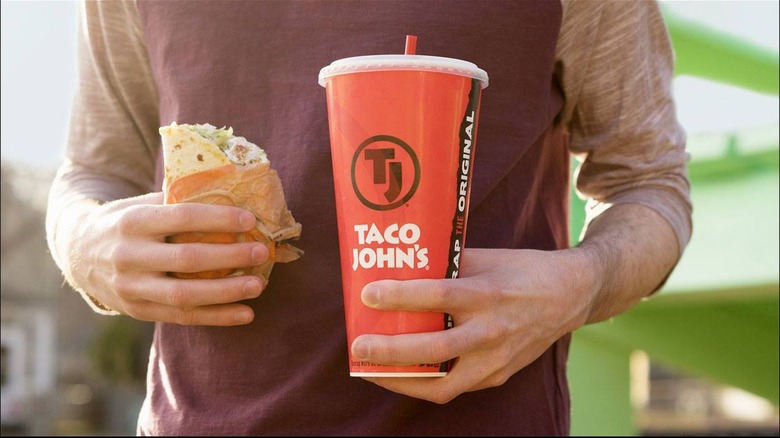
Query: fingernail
x=370, y=296
x=259, y=254
x=360, y=350
x=244, y=316
x=247, y=220
x=252, y=288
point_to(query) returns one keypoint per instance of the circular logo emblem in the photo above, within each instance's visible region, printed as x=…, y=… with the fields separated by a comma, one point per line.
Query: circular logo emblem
x=385, y=172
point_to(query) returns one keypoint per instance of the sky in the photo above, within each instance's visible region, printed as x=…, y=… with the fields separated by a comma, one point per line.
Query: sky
x=39, y=74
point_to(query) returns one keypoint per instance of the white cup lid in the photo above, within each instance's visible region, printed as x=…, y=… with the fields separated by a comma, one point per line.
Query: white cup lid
x=359, y=64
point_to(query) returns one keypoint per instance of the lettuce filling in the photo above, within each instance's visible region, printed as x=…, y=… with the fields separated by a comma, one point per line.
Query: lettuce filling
x=238, y=149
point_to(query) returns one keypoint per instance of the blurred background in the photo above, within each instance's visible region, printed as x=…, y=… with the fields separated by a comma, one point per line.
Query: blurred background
x=701, y=358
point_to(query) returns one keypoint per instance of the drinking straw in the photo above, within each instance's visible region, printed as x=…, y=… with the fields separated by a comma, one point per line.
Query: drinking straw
x=411, y=45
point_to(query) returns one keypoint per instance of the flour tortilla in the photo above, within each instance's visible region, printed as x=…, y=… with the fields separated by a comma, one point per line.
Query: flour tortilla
x=186, y=152
x=197, y=170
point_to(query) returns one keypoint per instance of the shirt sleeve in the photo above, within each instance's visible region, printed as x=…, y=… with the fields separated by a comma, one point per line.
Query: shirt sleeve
x=113, y=141
x=615, y=66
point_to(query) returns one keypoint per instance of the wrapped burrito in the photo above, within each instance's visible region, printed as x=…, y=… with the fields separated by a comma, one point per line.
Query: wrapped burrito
x=210, y=165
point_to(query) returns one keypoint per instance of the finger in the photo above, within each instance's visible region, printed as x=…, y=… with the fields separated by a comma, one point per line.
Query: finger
x=435, y=295
x=195, y=293
x=164, y=220
x=198, y=257
x=190, y=257
x=462, y=378
x=401, y=350
x=425, y=388
x=217, y=315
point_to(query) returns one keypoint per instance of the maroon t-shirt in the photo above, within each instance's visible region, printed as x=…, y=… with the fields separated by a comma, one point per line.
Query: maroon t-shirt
x=253, y=65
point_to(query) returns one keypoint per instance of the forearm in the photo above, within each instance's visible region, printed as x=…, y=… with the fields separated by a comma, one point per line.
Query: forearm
x=70, y=227
x=629, y=250
x=76, y=194
x=75, y=190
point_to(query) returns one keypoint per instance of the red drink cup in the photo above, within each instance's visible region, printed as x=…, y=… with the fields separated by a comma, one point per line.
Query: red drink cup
x=403, y=132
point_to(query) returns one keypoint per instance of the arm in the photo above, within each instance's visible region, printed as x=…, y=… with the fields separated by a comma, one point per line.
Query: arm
x=101, y=163
x=511, y=305
x=625, y=133
x=630, y=249
x=108, y=241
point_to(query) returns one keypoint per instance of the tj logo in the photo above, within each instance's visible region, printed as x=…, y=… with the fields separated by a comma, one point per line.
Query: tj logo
x=394, y=170
x=380, y=167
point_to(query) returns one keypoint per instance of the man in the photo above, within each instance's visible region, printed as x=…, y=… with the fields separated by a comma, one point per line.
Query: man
x=591, y=78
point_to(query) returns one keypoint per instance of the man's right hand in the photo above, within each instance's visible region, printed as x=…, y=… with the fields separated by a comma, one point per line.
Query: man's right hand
x=117, y=254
